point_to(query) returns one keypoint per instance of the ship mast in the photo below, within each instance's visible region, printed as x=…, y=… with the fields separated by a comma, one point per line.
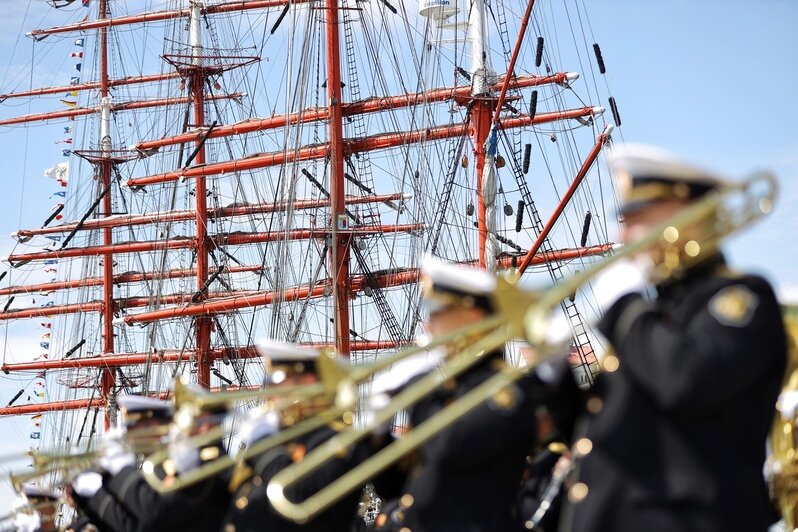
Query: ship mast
x=108, y=376
x=339, y=250
x=481, y=114
x=197, y=67
x=197, y=87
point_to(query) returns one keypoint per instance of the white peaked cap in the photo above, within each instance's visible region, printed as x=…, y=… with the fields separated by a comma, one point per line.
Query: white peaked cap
x=138, y=403
x=644, y=161
x=33, y=491
x=277, y=351
x=457, y=278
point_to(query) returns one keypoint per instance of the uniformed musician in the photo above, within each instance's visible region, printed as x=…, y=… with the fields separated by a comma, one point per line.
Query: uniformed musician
x=35, y=509
x=250, y=509
x=125, y=501
x=676, y=426
x=140, y=420
x=467, y=477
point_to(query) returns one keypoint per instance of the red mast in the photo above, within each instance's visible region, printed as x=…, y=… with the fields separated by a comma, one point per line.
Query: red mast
x=196, y=67
x=203, y=324
x=108, y=376
x=339, y=249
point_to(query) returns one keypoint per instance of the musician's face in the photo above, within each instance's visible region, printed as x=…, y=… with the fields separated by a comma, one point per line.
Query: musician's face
x=449, y=319
x=637, y=223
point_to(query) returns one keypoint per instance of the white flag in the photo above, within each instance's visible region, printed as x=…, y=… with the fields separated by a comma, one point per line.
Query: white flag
x=59, y=172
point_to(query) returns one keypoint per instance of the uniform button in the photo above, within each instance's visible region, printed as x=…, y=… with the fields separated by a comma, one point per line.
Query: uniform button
x=577, y=493
x=406, y=501
x=229, y=528
x=610, y=363
x=404, y=529
x=242, y=503
x=381, y=520
x=257, y=481
x=594, y=405
x=583, y=446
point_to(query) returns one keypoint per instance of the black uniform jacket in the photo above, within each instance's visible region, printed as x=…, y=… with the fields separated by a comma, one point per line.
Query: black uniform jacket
x=679, y=425
x=251, y=511
x=127, y=503
x=467, y=477
x=103, y=511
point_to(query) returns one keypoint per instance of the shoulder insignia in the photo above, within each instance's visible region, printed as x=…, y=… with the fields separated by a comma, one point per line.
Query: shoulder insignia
x=733, y=306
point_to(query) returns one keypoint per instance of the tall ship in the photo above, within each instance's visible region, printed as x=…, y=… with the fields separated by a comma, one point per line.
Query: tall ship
x=217, y=172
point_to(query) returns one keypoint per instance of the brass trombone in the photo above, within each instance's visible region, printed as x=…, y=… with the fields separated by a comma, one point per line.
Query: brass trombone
x=525, y=315
x=136, y=440
x=44, y=464
x=337, y=388
x=28, y=508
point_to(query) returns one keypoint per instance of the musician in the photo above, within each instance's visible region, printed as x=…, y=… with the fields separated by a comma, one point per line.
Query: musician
x=125, y=501
x=466, y=478
x=676, y=427
x=250, y=509
x=140, y=420
x=35, y=509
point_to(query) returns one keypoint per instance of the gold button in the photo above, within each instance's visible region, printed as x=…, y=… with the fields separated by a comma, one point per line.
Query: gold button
x=257, y=481
x=583, y=446
x=229, y=528
x=611, y=363
x=594, y=405
x=406, y=501
x=577, y=493
x=404, y=529
x=242, y=503
x=381, y=520
x=505, y=399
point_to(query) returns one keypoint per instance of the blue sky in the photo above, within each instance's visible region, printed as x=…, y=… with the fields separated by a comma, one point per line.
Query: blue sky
x=713, y=80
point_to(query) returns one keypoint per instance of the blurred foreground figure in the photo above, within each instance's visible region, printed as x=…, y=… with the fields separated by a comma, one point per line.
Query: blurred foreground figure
x=35, y=509
x=676, y=427
x=466, y=478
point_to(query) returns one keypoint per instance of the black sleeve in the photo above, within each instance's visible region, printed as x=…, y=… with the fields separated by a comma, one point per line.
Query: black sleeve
x=702, y=365
x=488, y=430
x=331, y=470
x=133, y=491
x=107, y=513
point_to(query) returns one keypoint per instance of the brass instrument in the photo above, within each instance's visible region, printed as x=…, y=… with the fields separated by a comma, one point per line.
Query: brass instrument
x=687, y=238
x=141, y=440
x=29, y=508
x=44, y=464
x=337, y=390
x=783, y=460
